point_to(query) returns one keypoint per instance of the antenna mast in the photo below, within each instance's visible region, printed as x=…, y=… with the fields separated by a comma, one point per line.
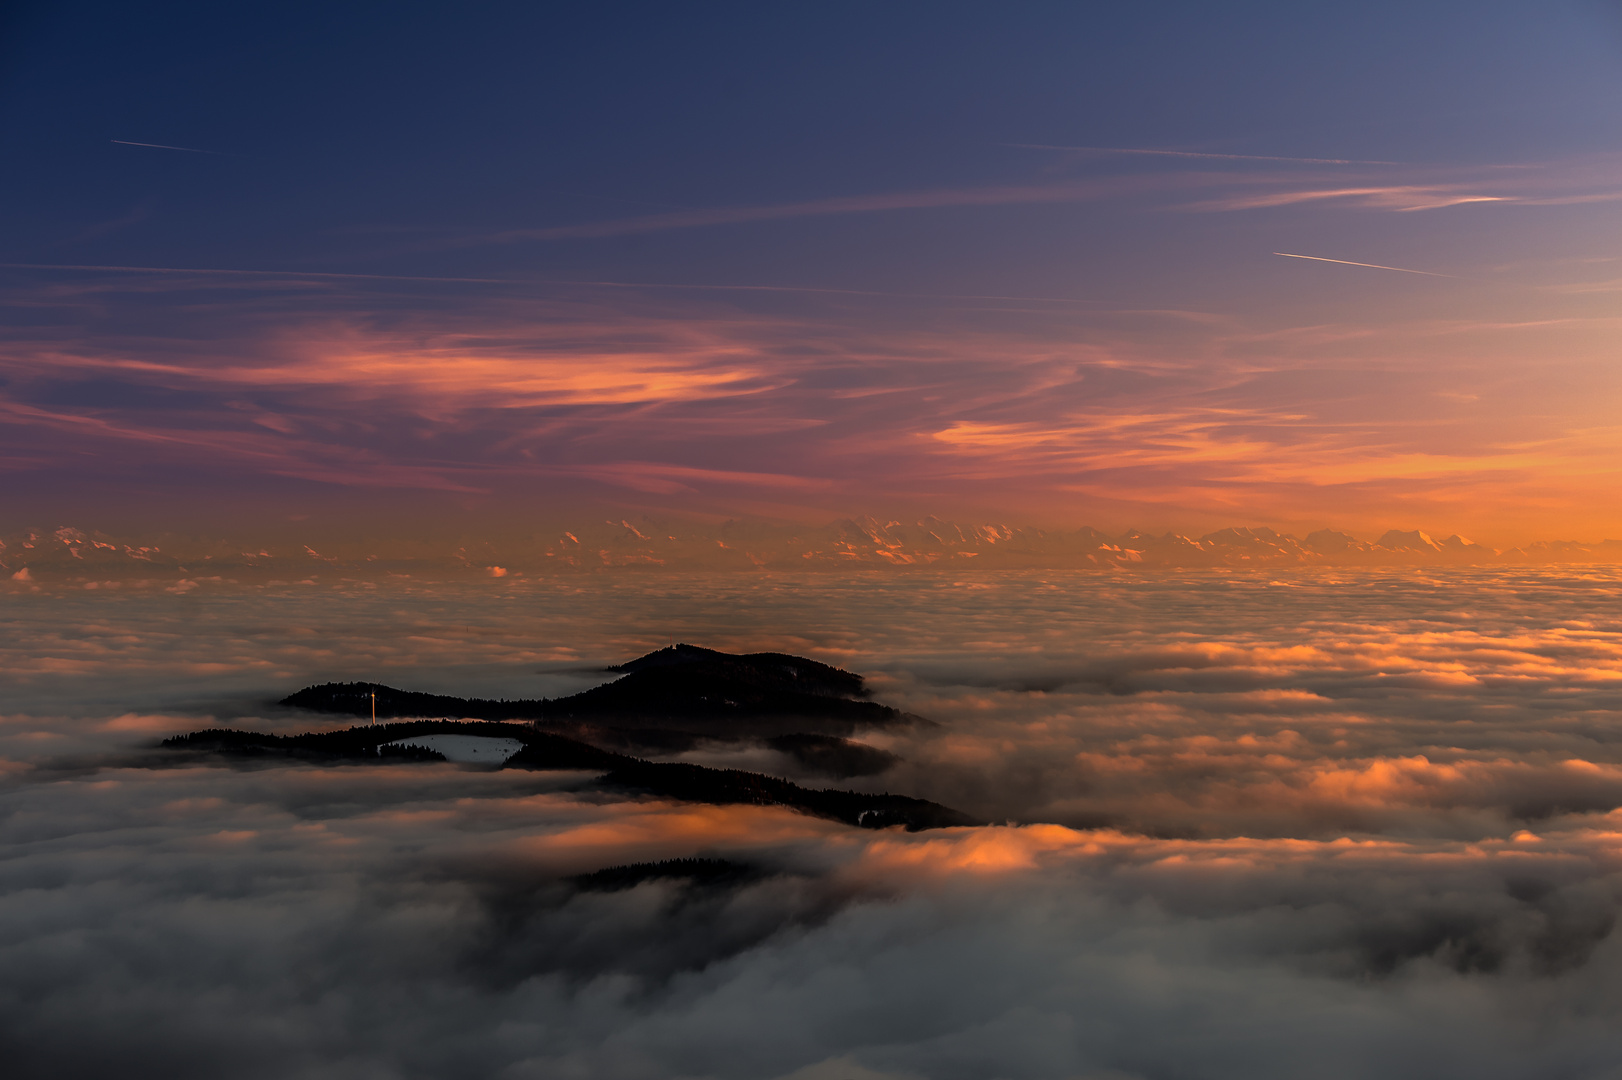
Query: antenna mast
x=374, y=708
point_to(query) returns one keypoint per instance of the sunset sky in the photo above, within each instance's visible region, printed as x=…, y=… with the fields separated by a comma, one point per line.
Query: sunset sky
x=374, y=373
x=379, y=264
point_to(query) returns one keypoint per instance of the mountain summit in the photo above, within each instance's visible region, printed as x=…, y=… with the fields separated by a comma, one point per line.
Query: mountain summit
x=678, y=694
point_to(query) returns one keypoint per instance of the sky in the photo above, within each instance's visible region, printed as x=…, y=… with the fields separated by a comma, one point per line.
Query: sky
x=388, y=267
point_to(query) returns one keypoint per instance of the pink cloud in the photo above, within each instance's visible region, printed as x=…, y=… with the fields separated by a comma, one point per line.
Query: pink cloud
x=1171, y=414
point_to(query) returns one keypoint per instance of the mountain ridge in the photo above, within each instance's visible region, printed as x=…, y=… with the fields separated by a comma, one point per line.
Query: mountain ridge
x=71, y=554
x=676, y=694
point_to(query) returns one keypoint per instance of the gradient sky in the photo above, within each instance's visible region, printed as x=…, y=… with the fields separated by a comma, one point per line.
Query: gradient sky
x=272, y=263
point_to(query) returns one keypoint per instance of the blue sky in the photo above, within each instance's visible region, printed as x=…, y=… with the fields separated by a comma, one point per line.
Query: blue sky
x=345, y=122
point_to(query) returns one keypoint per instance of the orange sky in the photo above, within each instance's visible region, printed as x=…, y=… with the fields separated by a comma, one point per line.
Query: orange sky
x=1375, y=400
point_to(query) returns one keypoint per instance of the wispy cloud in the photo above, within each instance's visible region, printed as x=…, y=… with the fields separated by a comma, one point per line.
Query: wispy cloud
x=1357, y=183
x=683, y=396
x=226, y=272
x=1197, y=154
x=531, y=282
x=666, y=479
x=854, y=204
x=1390, y=197
x=1250, y=192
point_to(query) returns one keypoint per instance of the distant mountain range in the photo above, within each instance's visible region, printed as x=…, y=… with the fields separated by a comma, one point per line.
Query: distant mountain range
x=68, y=553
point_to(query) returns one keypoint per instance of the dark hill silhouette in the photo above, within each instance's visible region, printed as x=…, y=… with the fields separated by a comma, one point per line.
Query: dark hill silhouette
x=547, y=751
x=669, y=699
x=352, y=744
x=541, y=749
x=805, y=676
x=696, y=783
x=698, y=692
x=355, y=699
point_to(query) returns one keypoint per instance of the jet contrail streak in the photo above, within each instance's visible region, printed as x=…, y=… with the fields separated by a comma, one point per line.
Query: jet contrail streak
x=161, y=146
x=1372, y=266
x=1194, y=154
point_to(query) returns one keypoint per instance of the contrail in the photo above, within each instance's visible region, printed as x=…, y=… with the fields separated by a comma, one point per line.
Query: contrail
x=1194, y=154
x=161, y=146
x=1372, y=266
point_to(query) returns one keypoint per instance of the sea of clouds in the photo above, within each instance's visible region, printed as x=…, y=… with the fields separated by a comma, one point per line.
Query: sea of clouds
x=1341, y=824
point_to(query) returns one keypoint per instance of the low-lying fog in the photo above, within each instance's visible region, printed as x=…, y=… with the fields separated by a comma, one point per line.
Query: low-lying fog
x=1339, y=824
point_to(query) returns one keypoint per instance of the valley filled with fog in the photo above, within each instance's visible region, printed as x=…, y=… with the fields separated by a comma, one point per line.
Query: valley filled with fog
x=1250, y=824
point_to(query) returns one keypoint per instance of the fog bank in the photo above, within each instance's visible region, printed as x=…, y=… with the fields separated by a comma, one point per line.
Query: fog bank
x=1348, y=825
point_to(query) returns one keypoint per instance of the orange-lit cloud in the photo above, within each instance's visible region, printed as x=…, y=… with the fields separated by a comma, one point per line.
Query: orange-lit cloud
x=1481, y=402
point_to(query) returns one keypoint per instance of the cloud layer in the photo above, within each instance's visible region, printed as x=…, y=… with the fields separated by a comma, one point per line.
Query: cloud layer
x=1334, y=821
